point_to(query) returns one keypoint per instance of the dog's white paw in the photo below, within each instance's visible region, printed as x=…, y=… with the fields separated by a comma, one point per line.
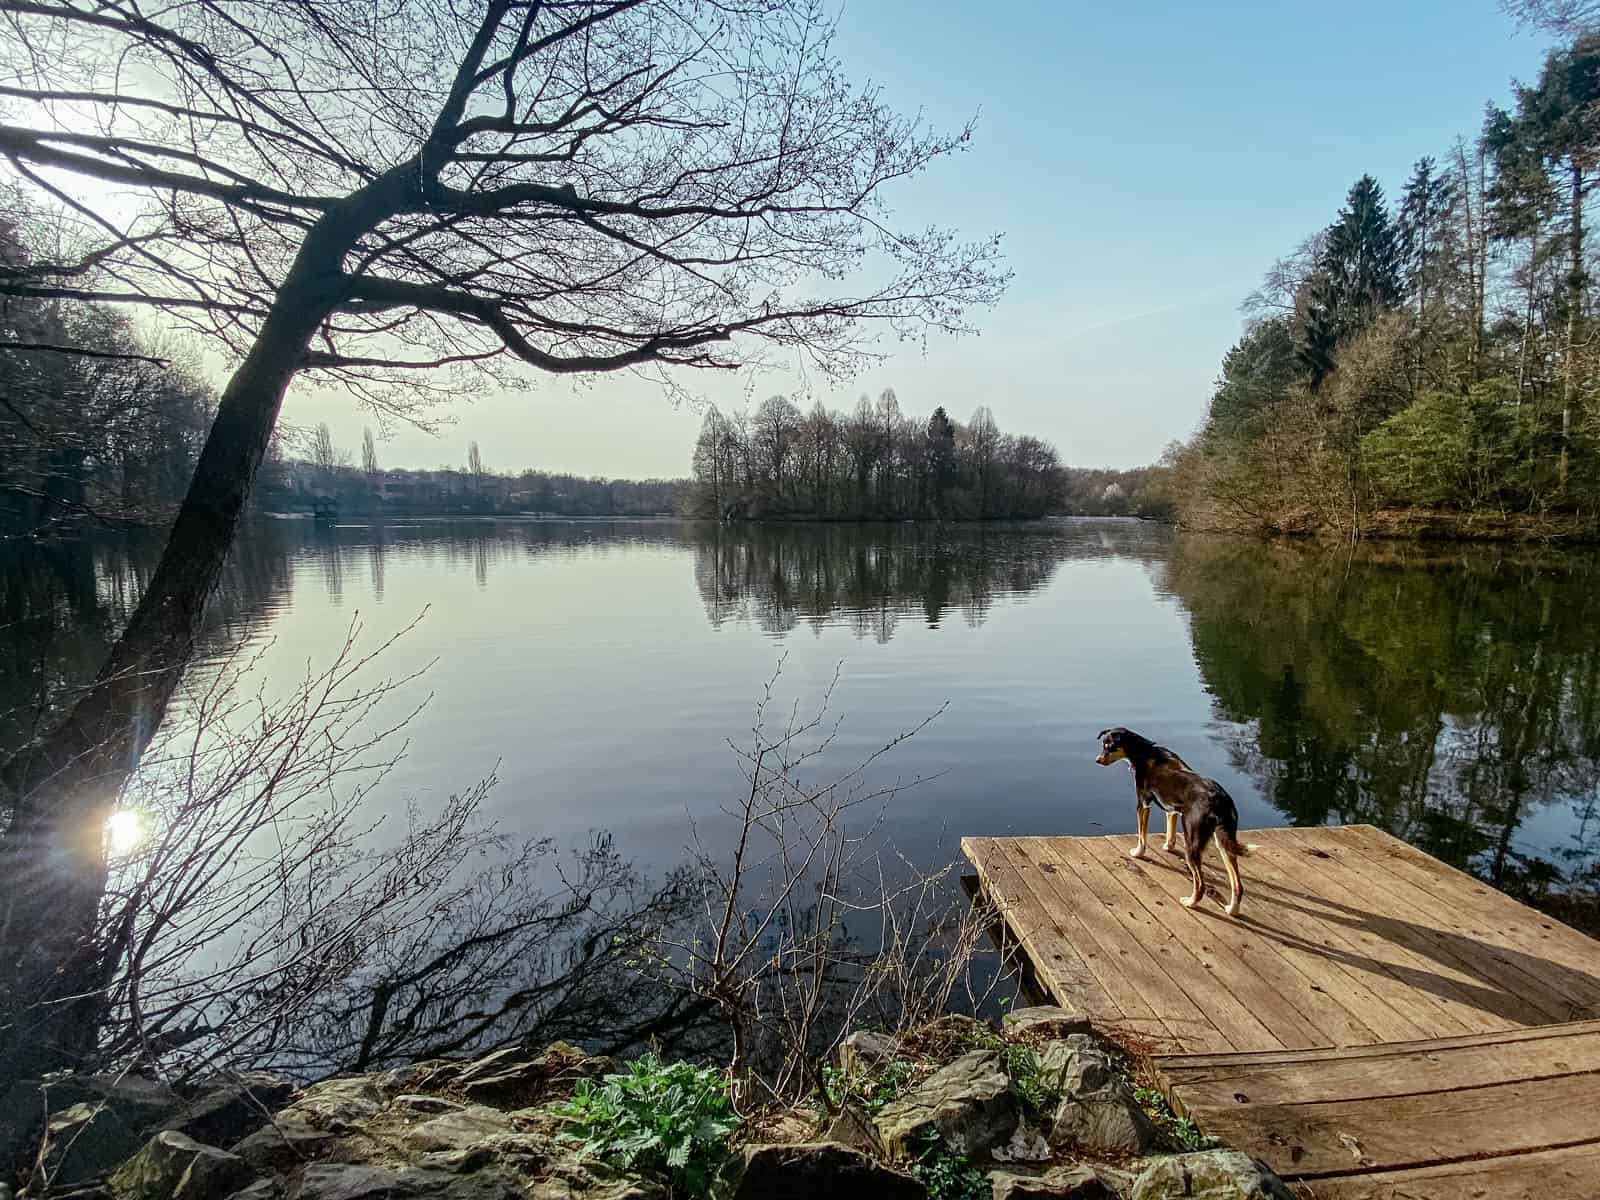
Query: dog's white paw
x=1231, y=909
x=1138, y=851
x=1188, y=902
x=1170, y=847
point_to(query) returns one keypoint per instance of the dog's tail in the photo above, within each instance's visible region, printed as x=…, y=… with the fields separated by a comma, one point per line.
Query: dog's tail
x=1230, y=839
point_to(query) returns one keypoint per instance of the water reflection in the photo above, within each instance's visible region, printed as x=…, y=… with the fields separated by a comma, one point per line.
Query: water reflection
x=1451, y=698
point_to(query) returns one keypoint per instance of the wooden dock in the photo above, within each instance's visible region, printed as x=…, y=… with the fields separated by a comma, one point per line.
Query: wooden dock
x=1373, y=1024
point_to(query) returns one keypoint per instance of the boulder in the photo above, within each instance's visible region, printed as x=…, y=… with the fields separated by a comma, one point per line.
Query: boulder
x=854, y=1128
x=340, y=1104
x=1209, y=1175
x=458, y=1130
x=1059, y=1183
x=1105, y=1121
x=968, y=1104
x=864, y=1050
x=811, y=1170
x=287, y=1141
x=261, y=1189
x=232, y=1107
x=173, y=1166
x=1077, y=1064
x=90, y=1138
x=1046, y=1020
x=513, y=1077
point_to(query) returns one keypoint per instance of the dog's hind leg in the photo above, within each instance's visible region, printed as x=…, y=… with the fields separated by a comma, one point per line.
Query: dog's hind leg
x=1195, y=837
x=1144, y=831
x=1171, y=841
x=1228, y=848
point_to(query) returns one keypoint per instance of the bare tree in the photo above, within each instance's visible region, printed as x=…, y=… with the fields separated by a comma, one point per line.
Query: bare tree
x=369, y=194
x=774, y=949
x=1566, y=18
x=369, y=456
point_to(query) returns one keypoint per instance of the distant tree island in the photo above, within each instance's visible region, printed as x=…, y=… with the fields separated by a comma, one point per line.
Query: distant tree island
x=874, y=463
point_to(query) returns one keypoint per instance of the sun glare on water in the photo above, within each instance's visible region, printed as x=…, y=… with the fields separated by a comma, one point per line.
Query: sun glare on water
x=124, y=831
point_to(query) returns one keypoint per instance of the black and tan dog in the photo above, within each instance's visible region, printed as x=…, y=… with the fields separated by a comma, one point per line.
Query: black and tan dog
x=1161, y=778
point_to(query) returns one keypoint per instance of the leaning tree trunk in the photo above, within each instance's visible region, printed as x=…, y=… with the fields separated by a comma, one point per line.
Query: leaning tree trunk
x=60, y=789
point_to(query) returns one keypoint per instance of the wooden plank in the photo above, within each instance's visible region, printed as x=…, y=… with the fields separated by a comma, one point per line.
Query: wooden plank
x=1274, y=991
x=1120, y=951
x=1528, y=1033
x=1335, y=1138
x=1571, y=1173
x=1428, y=1068
x=1064, y=956
x=1555, y=956
x=1373, y=991
x=1443, y=920
x=1055, y=959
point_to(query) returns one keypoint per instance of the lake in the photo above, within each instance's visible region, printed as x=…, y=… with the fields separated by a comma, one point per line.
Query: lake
x=1450, y=694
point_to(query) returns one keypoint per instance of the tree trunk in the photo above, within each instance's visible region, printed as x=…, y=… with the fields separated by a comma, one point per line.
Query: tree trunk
x=1527, y=319
x=62, y=787
x=1575, y=282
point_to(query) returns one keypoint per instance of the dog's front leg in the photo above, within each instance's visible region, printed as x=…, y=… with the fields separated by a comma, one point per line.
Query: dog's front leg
x=1144, y=829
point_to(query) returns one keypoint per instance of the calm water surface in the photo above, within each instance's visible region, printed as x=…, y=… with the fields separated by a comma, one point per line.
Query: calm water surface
x=1450, y=696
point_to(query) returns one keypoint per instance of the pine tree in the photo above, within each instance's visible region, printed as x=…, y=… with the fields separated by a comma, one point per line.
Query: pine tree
x=1356, y=280
x=1422, y=212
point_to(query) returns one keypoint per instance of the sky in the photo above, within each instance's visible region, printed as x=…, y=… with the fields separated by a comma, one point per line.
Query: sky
x=1145, y=162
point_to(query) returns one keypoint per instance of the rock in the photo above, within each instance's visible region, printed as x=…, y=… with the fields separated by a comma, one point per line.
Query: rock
x=230, y=1108
x=863, y=1050
x=1046, y=1020
x=1106, y=1121
x=458, y=1130
x=173, y=1166
x=968, y=1103
x=91, y=1138
x=261, y=1189
x=1077, y=1065
x=854, y=1128
x=340, y=1104
x=427, y=1104
x=344, y=1181
x=1027, y=1144
x=287, y=1141
x=587, y=1187
x=810, y=1170
x=510, y=1077
x=1059, y=1183
x=133, y=1091
x=1209, y=1175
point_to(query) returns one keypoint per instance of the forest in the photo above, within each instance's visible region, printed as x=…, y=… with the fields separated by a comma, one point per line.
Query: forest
x=99, y=422
x=1434, y=355
x=875, y=462
x=321, y=476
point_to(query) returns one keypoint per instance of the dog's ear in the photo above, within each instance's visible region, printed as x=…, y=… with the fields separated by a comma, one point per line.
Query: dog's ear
x=1102, y=734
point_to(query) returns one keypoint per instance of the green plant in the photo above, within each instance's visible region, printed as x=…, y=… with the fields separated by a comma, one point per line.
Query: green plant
x=1182, y=1132
x=947, y=1175
x=871, y=1090
x=1033, y=1086
x=672, y=1121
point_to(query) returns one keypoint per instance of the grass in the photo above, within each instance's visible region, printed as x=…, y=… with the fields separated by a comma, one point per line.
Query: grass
x=670, y=1121
x=1183, y=1133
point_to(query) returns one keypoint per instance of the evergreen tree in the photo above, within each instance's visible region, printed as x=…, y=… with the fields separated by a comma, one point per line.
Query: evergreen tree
x=1423, y=210
x=1357, y=278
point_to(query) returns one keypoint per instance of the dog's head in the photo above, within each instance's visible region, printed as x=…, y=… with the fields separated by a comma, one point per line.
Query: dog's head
x=1113, y=746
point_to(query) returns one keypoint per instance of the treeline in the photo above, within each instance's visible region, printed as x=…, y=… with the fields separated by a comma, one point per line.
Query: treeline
x=324, y=478
x=1435, y=355
x=97, y=424
x=1104, y=492
x=875, y=462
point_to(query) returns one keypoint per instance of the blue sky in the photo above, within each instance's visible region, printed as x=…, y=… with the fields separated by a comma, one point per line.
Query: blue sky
x=1145, y=161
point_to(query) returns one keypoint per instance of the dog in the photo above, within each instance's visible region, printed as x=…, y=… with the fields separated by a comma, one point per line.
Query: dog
x=1161, y=778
